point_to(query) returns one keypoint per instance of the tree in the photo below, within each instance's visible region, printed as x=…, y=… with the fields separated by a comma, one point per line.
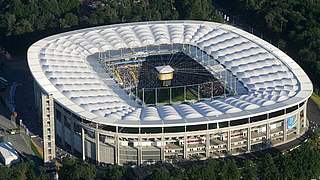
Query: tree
x=286, y=169
x=113, y=172
x=249, y=171
x=230, y=171
x=160, y=174
x=268, y=169
x=69, y=20
x=213, y=169
x=73, y=169
x=177, y=173
x=10, y=21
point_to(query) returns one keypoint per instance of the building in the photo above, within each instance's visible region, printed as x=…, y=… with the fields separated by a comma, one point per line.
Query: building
x=8, y=155
x=258, y=98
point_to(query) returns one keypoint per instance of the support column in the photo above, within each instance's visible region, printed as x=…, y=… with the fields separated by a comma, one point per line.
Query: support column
x=249, y=139
x=139, y=158
x=298, y=125
x=116, y=148
x=198, y=92
x=156, y=96
x=142, y=96
x=305, y=115
x=207, y=145
x=185, y=93
x=185, y=147
x=162, y=149
x=285, y=124
x=268, y=136
x=97, y=141
x=229, y=141
x=63, y=132
x=72, y=135
x=48, y=128
x=170, y=95
x=83, y=144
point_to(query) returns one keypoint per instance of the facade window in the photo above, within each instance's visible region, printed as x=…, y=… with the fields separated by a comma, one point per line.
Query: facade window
x=258, y=118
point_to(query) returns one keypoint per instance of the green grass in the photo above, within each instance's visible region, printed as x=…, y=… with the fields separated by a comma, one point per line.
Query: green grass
x=35, y=151
x=316, y=99
x=164, y=95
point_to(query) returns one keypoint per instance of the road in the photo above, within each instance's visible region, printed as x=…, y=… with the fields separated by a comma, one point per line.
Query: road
x=16, y=70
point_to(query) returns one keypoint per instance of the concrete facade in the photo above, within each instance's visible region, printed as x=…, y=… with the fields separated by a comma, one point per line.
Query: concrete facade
x=97, y=119
x=92, y=142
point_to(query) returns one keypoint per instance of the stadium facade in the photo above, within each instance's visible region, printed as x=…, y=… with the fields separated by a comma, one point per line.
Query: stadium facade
x=263, y=105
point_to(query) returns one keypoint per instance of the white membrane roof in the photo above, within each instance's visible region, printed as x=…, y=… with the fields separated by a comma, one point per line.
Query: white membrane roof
x=63, y=66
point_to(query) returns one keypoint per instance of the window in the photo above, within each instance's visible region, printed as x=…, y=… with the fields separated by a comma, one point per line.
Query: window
x=107, y=128
x=213, y=126
x=258, y=118
x=239, y=122
x=276, y=114
x=174, y=129
x=291, y=109
x=128, y=130
x=301, y=104
x=197, y=127
x=223, y=124
x=151, y=130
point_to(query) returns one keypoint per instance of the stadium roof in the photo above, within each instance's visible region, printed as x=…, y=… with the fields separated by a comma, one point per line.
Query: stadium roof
x=63, y=66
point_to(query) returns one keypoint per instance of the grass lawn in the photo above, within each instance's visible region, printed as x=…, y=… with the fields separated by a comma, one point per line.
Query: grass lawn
x=315, y=98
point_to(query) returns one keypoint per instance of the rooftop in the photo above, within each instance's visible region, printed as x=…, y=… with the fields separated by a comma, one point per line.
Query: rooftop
x=66, y=65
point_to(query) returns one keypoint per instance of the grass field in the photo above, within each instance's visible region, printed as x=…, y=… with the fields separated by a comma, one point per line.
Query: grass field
x=315, y=98
x=163, y=95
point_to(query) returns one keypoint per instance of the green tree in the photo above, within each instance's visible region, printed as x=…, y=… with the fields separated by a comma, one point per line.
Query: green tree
x=23, y=26
x=286, y=168
x=114, y=172
x=249, y=171
x=268, y=169
x=213, y=169
x=69, y=20
x=160, y=174
x=9, y=23
x=73, y=169
x=230, y=171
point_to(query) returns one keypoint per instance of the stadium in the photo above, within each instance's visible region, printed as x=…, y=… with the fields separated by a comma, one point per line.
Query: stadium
x=143, y=92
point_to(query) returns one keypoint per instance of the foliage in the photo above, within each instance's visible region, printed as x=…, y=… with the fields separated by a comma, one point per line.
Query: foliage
x=22, y=171
x=249, y=171
x=300, y=163
x=73, y=169
x=113, y=172
x=267, y=168
x=19, y=17
x=293, y=26
x=230, y=171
